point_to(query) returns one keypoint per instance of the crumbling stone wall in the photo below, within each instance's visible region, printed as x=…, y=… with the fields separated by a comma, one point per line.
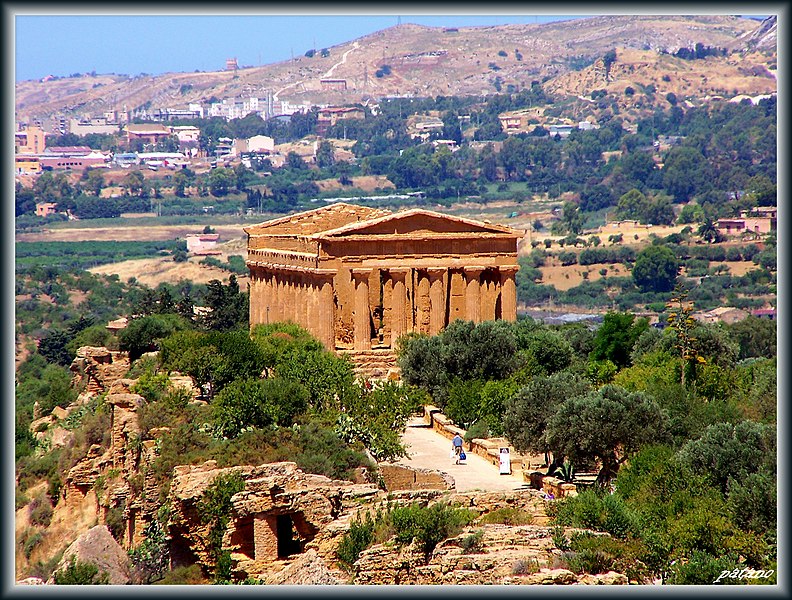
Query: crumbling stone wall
x=96, y=368
x=400, y=477
x=310, y=503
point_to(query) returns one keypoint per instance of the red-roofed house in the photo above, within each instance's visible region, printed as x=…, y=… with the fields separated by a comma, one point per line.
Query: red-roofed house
x=68, y=150
x=203, y=243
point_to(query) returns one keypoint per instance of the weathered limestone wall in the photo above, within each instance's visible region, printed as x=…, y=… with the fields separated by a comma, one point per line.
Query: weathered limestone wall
x=399, y=477
x=97, y=367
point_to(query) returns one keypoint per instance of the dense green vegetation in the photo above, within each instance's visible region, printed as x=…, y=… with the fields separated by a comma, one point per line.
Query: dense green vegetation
x=83, y=255
x=679, y=424
x=427, y=526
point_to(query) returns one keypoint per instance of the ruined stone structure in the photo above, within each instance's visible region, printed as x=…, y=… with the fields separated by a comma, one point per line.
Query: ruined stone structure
x=358, y=278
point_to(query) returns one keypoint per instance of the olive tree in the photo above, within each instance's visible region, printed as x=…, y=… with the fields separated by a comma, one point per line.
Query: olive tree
x=655, y=269
x=607, y=425
x=526, y=418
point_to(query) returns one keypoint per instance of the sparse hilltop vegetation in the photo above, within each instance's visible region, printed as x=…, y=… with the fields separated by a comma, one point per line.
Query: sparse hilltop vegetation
x=159, y=439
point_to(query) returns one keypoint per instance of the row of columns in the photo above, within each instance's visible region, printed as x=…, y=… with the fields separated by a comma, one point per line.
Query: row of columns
x=306, y=297
x=302, y=296
x=437, y=301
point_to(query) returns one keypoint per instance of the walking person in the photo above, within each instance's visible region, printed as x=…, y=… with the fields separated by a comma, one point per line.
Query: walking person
x=457, y=443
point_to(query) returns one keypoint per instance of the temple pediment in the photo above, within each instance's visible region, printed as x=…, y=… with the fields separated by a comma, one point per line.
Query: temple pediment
x=417, y=222
x=317, y=220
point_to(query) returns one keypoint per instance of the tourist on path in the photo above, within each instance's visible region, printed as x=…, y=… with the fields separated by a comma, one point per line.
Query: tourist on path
x=457, y=445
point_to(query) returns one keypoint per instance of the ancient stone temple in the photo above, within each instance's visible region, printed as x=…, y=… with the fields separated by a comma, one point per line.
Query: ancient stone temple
x=358, y=278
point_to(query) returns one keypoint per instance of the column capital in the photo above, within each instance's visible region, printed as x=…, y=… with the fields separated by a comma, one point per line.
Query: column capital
x=361, y=271
x=435, y=273
x=474, y=269
x=399, y=270
x=508, y=269
x=324, y=272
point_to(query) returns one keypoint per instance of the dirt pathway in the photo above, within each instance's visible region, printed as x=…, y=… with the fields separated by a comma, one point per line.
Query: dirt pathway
x=342, y=61
x=428, y=449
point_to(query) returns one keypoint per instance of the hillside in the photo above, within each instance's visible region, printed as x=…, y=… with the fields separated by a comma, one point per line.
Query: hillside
x=423, y=61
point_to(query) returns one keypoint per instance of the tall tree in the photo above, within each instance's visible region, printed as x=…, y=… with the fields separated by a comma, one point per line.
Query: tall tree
x=616, y=337
x=526, y=417
x=608, y=425
x=655, y=269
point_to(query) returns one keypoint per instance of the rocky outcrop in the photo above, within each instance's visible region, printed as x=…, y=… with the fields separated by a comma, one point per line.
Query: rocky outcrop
x=281, y=512
x=495, y=560
x=98, y=547
x=308, y=569
x=95, y=368
x=401, y=477
x=124, y=425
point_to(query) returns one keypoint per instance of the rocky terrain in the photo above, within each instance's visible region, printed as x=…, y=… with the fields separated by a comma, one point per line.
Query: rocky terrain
x=422, y=61
x=318, y=511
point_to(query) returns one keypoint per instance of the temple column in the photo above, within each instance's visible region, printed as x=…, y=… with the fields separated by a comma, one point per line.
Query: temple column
x=258, y=296
x=422, y=302
x=437, y=305
x=508, y=290
x=362, y=321
x=277, y=294
x=473, y=293
x=253, y=297
x=325, y=315
x=269, y=294
x=283, y=303
x=398, y=310
x=278, y=304
x=294, y=287
x=489, y=299
x=312, y=305
x=301, y=300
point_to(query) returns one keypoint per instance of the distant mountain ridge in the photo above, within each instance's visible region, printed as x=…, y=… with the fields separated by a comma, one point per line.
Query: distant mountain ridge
x=407, y=59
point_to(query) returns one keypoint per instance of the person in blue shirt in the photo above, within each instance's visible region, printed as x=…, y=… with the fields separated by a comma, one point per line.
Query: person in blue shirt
x=457, y=445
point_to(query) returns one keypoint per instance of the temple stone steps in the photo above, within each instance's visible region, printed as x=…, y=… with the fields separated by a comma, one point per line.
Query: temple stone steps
x=375, y=364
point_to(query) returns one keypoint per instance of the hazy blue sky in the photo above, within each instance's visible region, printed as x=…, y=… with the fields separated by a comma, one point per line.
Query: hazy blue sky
x=62, y=45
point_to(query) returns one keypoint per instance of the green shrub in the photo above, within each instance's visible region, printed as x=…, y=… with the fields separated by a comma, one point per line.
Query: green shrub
x=478, y=430
x=29, y=539
x=429, y=526
x=702, y=569
x=588, y=561
x=507, y=516
x=214, y=509
x=114, y=519
x=359, y=537
x=152, y=386
x=191, y=575
x=593, y=509
x=525, y=566
x=472, y=544
x=248, y=403
x=20, y=500
x=150, y=559
x=80, y=573
x=40, y=511
x=560, y=539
